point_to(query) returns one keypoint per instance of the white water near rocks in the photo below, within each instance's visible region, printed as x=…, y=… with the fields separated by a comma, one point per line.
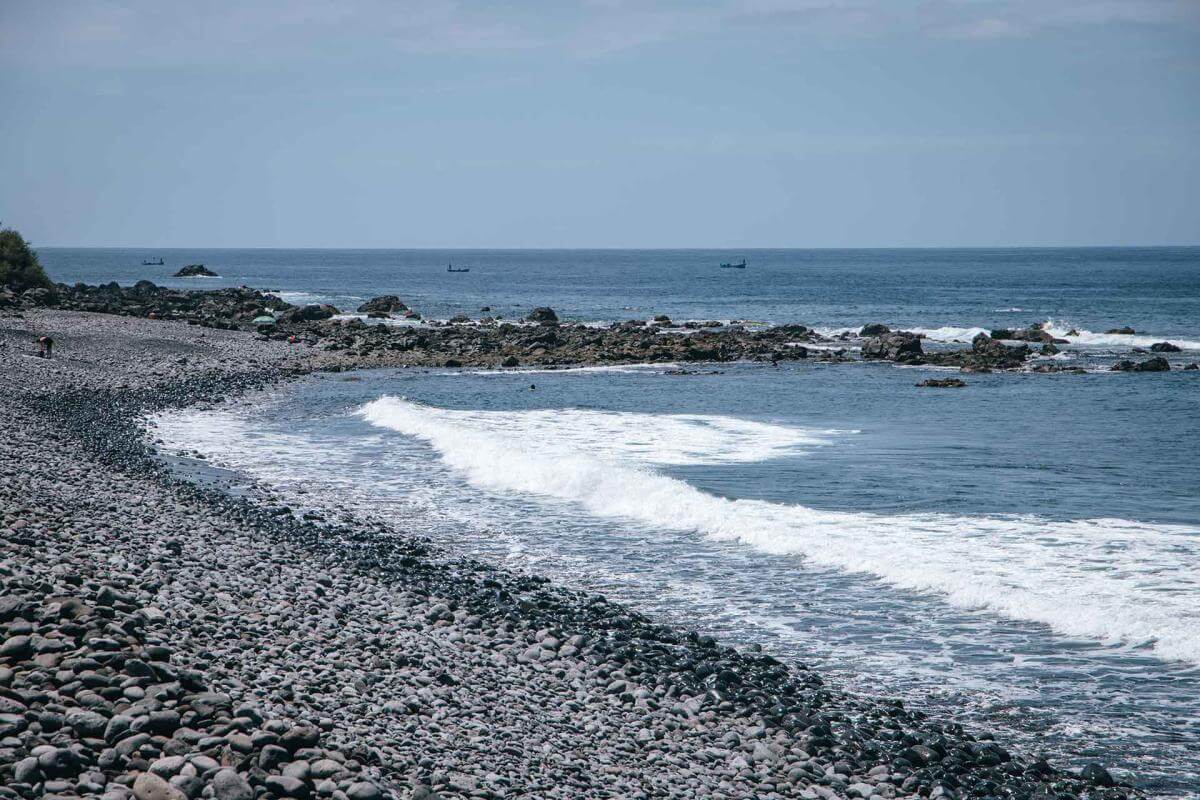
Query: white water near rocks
x=1109, y=579
x=748, y=504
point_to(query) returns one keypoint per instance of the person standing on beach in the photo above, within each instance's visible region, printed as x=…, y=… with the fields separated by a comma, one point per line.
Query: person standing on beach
x=45, y=347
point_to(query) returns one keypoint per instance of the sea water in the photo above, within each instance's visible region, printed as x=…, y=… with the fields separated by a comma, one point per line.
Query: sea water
x=1021, y=555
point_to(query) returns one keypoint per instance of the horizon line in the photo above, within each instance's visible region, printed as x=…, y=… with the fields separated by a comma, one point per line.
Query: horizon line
x=661, y=249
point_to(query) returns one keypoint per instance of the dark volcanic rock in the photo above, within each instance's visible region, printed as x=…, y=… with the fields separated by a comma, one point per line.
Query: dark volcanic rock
x=1033, y=333
x=542, y=314
x=873, y=329
x=1165, y=347
x=386, y=304
x=997, y=354
x=1156, y=364
x=1126, y=330
x=309, y=313
x=196, y=271
x=898, y=346
x=942, y=383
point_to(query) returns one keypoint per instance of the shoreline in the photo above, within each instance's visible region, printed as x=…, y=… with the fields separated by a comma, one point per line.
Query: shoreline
x=663, y=712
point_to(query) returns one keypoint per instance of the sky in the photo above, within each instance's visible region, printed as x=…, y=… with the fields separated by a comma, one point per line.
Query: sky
x=600, y=123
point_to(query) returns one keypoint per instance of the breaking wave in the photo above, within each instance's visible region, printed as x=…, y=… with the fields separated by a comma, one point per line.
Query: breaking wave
x=1086, y=338
x=1113, y=580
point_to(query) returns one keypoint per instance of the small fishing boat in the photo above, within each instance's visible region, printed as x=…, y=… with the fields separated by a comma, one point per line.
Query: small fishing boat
x=452, y=268
x=158, y=263
x=731, y=265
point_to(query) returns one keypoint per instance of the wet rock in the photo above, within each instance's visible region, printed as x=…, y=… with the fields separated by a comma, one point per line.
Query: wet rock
x=384, y=304
x=942, y=383
x=1156, y=364
x=542, y=314
x=898, y=346
x=1125, y=330
x=873, y=329
x=196, y=271
x=1097, y=775
x=309, y=313
x=1164, y=347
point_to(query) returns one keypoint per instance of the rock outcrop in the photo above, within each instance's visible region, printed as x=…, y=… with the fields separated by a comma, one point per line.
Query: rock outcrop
x=196, y=271
x=898, y=346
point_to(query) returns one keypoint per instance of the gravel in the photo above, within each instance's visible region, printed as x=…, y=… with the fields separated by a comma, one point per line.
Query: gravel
x=163, y=640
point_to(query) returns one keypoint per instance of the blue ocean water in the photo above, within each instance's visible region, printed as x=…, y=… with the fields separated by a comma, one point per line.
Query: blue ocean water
x=1022, y=555
x=1152, y=289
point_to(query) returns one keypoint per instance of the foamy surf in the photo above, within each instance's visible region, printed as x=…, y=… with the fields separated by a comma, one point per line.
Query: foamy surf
x=949, y=333
x=1111, y=580
x=1086, y=338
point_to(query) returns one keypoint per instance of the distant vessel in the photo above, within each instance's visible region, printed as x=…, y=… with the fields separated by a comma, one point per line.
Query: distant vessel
x=158, y=263
x=452, y=268
x=731, y=265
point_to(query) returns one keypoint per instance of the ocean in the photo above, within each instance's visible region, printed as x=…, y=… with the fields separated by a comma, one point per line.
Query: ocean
x=1021, y=555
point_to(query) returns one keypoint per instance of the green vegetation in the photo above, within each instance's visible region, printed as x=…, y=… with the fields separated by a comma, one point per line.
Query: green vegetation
x=19, y=267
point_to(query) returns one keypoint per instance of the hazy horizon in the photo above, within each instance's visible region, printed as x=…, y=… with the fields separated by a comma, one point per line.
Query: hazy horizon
x=601, y=124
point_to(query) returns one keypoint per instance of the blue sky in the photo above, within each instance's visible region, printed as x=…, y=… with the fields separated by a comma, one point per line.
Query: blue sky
x=604, y=123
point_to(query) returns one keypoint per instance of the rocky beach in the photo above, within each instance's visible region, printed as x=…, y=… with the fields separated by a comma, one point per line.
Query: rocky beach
x=386, y=332
x=166, y=638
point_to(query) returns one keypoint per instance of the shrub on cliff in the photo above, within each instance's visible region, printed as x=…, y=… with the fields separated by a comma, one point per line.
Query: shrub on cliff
x=19, y=267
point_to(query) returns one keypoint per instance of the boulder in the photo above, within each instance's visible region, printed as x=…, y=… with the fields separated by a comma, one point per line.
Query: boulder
x=942, y=383
x=1164, y=347
x=149, y=786
x=385, y=304
x=542, y=314
x=1032, y=333
x=898, y=346
x=229, y=785
x=309, y=313
x=39, y=296
x=1125, y=331
x=1001, y=354
x=1097, y=775
x=873, y=329
x=1156, y=364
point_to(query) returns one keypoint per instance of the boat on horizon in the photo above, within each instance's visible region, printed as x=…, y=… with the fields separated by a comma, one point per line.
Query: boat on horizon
x=452, y=268
x=158, y=263
x=731, y=265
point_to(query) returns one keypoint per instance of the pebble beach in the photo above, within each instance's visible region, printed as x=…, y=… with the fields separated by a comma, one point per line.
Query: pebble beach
x=165, y=638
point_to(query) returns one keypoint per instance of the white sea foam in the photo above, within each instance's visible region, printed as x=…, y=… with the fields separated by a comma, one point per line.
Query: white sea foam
x=300, y=298
x=949, y=333
x=622, y=369
x=1107, y=579
x=1086, y=338
x=391, y=322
